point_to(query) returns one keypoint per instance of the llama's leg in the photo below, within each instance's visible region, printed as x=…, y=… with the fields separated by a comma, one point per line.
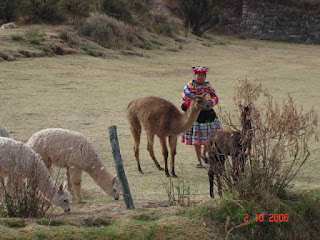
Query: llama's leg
x=150, y=137
x=164, y=153
x=173, y=152
x=75, y=180
x=136, y=133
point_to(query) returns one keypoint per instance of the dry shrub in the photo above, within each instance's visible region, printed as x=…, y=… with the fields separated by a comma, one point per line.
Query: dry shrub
x=282, y=143
x=108, y=31
x=282, y=137
x=165, y=25
x=23, y=198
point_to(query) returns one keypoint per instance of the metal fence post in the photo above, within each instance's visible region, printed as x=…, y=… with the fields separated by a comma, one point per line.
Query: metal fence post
x=119, y=167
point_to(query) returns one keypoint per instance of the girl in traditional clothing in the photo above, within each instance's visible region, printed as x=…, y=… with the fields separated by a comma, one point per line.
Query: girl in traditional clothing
x=207, y=120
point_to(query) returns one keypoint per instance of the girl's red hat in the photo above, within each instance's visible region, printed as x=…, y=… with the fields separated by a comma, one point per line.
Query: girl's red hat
x=200, y=69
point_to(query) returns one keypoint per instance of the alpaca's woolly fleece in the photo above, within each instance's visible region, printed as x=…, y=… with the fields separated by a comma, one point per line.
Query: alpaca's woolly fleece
x=18, y=162
x=70, y=149
x=4, y=132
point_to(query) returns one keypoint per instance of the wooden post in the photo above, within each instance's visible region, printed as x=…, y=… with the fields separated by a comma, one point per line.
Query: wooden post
x=119, y=167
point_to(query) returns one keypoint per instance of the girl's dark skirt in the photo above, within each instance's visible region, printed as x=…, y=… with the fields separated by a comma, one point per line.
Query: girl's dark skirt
x=198, y=134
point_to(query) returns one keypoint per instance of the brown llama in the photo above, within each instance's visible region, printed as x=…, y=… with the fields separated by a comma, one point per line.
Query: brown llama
x=236, y=144
x=160, y=117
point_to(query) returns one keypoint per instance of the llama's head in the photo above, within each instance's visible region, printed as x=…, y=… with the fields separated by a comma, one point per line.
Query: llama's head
x=115, y=188
x=198, y=102
x=62, y=198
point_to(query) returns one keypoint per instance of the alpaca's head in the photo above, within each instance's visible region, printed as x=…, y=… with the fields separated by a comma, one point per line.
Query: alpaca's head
x=246, y=116
x=198, y=102
x=62, y=198
x=116, y=188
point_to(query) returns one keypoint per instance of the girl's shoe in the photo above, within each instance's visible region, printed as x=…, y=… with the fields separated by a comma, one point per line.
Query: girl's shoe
x=199, y=165
x=205, y=159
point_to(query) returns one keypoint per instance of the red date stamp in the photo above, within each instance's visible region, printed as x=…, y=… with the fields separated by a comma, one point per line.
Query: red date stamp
x=268, y=217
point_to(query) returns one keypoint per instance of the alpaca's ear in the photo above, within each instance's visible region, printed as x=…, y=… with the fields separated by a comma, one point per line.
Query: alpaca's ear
x=60, y=188
x=65, y=184
x=115, y=179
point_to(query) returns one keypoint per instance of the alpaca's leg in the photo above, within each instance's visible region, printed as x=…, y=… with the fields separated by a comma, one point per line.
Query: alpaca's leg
x=173, y=152
x=68, y=180
x=164, y=149
x=75, y=179
x=243, y=162
x=136, y=133
x=150, y=137
x=220, y=173
x=236, y=165
x=211, y=181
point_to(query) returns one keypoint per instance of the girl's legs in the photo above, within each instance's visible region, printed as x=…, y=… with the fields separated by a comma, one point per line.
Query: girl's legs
x=198, y=152
x=204, y=151
x=204, y=154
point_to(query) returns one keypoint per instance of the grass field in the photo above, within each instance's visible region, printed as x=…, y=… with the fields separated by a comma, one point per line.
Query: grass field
x=88, y=94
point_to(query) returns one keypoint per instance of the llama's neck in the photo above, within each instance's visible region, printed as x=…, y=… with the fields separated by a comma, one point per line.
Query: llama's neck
x=188, y=119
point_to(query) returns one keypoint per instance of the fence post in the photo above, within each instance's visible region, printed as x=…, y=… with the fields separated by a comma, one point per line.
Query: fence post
x=119, y=167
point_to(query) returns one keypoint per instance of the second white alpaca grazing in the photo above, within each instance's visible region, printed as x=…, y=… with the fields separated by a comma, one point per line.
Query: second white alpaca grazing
x=19, y=162
x=72, y=150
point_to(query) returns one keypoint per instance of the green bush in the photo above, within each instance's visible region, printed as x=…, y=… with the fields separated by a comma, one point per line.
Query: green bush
x=118, y=9
x=65, y=36
x=95, y=53
x=303, y=211
x=16, y=37
x=45, y=49
x=47, y=11
x=34, y=36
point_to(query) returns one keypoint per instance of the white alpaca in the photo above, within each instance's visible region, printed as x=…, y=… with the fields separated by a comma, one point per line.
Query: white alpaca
x=72, y=150
x=19, y=162
x=9, y=25
x=4, y=132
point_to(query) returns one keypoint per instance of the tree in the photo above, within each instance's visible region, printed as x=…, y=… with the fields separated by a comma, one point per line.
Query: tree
x=8, y=10
x=79, y=8
x=199, y=15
